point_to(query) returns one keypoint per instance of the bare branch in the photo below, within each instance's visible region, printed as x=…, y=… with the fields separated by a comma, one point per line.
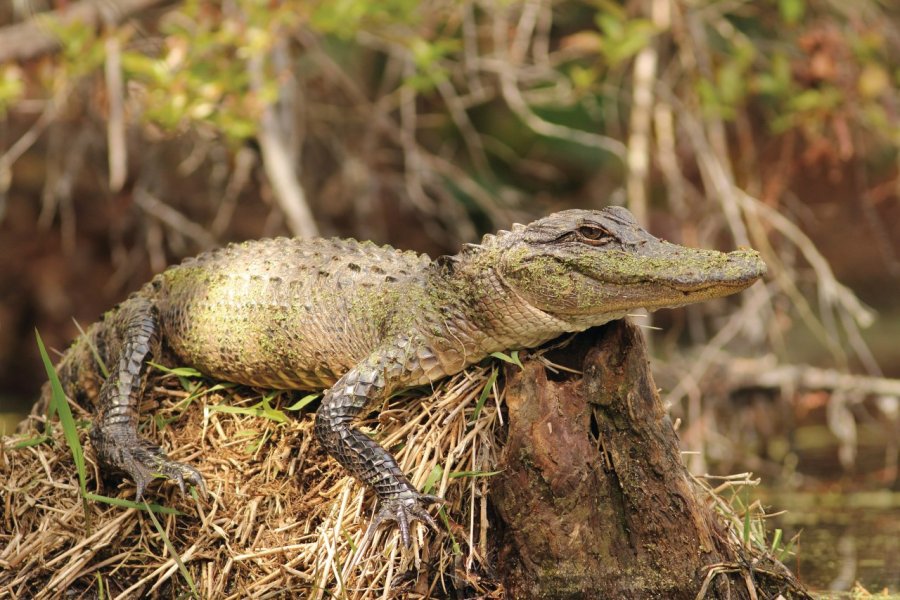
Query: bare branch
x=517, y=104
x=35, y=37
x=20, y=147
x=117, y=149
x=638, y=159
x=244, y=161
x=155, y=207
x=766, y=374
x=276, y=156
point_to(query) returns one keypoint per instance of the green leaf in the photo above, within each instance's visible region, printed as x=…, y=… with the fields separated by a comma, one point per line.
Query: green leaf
x=732, y=82
x=611, y=26
x=254, y=446
x=12, y=87
x=791, y=10
x=637, y=35
x=260, y=409
x=437, y=472
x=512, y=358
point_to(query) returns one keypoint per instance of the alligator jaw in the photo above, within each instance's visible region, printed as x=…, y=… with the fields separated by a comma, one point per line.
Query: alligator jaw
x=742, y=269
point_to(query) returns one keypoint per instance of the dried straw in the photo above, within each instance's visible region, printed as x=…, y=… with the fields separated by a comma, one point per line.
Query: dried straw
x=281, y=519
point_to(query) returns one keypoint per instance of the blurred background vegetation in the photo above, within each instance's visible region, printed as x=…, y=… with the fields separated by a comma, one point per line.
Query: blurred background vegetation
x=137, y=132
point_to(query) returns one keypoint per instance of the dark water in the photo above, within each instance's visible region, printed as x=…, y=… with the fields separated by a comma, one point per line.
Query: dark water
x=843, y=501
x=845, y=537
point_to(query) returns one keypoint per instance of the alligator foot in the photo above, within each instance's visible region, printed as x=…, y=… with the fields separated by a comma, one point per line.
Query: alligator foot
x=143, y=461
x=405, y=510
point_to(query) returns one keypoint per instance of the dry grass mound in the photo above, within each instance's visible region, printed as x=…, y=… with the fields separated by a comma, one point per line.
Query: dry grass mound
x=280, y=518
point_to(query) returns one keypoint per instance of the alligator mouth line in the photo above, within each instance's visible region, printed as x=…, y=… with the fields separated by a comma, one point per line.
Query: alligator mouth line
x=693, y=289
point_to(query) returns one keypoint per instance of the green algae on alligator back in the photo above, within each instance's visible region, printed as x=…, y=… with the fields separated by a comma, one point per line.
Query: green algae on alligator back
x=361, y=321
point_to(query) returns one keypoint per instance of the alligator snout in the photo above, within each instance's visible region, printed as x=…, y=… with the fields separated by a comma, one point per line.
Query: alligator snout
x=736, y=269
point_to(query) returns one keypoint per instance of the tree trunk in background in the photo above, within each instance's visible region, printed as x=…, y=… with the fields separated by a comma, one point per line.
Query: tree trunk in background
x=594, y=499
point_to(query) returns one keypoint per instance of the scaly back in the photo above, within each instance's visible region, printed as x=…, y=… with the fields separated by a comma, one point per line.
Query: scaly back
x=283, y=313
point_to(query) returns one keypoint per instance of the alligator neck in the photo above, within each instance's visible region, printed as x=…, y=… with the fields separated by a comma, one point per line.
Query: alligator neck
x=489, y=312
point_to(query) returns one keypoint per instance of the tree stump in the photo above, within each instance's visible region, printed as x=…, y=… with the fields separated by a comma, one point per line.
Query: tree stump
x=594, y=499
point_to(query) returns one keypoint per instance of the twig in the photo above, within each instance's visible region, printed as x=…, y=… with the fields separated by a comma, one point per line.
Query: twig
x=524, y=31
x=513, y=97
x=540, y=47
x=20, y=147
x=277, y=164
x=166, y=214
x=67, y=162
x=765, y=374
x=836, y=293
x=412, y=172
x=117, y=149
x=712, y=349
x=638, y=159
x=470, y=135
x=664, y=127
x=244, y=160
x=470, y=48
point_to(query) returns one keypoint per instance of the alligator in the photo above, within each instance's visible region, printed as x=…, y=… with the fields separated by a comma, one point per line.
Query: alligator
x=361, y=321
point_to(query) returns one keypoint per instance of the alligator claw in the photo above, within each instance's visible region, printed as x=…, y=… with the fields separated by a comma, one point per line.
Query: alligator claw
x=143, y=461
x=405, y=510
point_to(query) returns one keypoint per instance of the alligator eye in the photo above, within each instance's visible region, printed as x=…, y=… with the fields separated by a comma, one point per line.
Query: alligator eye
x=594, y=234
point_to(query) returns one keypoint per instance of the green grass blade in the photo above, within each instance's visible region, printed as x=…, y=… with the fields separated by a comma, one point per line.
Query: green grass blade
x=459, y=474
x=60, y=406
x=157, y=508
x=177, y=371
x=442, y=515
x=436, y=473
x=302, y=402
x=184, y=572
x=33, y=441
x=484, y=394
x=746, y=533
x=776, y=542
x=101, y=593
x=263, y=409
x=257, y=410
x=349, y=539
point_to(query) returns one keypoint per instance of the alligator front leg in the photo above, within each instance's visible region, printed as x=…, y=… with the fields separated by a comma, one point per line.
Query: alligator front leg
x=363, y=456
x=133, y=341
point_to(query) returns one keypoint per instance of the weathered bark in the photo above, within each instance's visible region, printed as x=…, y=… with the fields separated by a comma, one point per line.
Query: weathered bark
x=594, y=499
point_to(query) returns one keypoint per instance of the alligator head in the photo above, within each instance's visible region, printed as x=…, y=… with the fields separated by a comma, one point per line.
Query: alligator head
x=587, y=267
